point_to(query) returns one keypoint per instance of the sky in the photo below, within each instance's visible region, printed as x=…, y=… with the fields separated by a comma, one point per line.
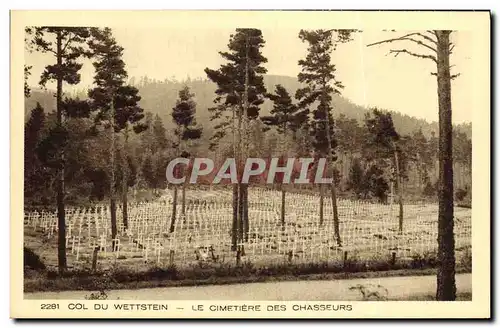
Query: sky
x=371, y=77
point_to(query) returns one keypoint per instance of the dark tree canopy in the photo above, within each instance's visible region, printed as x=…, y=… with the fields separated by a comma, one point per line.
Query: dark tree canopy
x=160, y=133
x=72, y=47
x=285, y=115
x=27, y=73
x=381, y=128
x=230, y=78
x=109, y=80
x=183, y=115
x=318, y=75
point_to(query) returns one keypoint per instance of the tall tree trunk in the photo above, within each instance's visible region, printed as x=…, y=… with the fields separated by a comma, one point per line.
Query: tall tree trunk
x=446, y=288
x=234, y=227
x=61, y=220
x=321, y=204
x=284, y=144
x=241, y=222
x=174, y=200
x=399, y=186
x=183, y=206
x=419, y=173
x=333, y=186
x=184, y=186
x=113, y=182
x=125, y=206
x=125, y=181
x=241, y=201
x=244, y=187
x=237, y=200
x=246, y=222
x=283, y=197
x=336, y=227
x=174, y=209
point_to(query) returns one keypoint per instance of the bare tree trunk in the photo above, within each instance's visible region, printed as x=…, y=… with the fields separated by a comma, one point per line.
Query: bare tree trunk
x=125, y=206
x=446, y=288
x=399, y=187
x=61, y=220
x=241, y=222
x=283, y=196
x=113, y=182
x=234, y=226
x=333, y=186
x=234, y=230
x=246, y=222
x=125, y=181
x=243, y=139
x=183, y=207
x=321, y=204
x=174, y=210
x=336, y=227
x=419, y=173
x=284, y=153
x=174, y=200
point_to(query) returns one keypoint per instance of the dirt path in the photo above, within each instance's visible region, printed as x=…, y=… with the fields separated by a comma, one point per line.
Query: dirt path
x=324, y=290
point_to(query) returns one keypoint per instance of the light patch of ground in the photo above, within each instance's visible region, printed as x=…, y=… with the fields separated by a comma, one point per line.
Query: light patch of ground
x=398, y=288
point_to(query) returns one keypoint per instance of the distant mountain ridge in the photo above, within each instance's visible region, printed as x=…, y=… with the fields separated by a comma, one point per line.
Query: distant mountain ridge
x=159, y=97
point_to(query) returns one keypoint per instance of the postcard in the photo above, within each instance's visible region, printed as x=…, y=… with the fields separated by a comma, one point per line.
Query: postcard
x=250, y=164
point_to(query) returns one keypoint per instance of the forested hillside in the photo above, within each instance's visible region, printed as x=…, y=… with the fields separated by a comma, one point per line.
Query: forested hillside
x=158, y=97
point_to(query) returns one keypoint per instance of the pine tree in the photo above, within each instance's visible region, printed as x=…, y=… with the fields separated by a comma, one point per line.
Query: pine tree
x=128, y=116
x=148, y=171
x=148, y=138
x=318, y=74
x=160, y=133
x=67, y=46
x=160, y=167
x=32, y=136
x=183, y=115
x=240, y=91
x=356, y=178
x=288, y=118
x=375, y=183
x=385, y=140
x=116, y=104
x=421, y=156
x=446, y=287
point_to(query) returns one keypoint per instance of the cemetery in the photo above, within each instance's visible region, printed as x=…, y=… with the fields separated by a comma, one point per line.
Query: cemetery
x=369, y=231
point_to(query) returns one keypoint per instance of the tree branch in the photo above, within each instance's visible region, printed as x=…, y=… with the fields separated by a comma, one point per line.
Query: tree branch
x=452, y=77
x=227, y=127
x=397, y=52
x=452, y=46
x=420, y=43
x=52, y=51
x=67, y=43
x=407, y=37
x=433, y=33
x=427, y=38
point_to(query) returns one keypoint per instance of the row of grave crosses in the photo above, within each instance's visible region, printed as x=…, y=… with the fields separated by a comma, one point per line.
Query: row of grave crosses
x=154, y=211
x=151, y=218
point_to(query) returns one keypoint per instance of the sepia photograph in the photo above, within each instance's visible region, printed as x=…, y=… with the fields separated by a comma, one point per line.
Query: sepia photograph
x=250, y=164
